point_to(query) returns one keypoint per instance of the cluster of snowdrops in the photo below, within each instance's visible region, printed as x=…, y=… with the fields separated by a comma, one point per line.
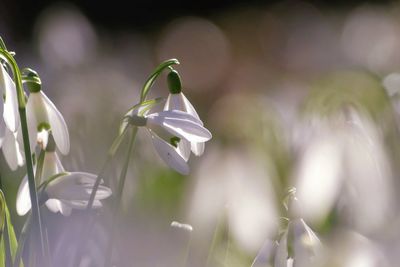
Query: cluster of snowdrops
x=34, y=133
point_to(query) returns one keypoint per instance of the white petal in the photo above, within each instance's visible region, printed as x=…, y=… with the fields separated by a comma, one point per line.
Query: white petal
x=189, y=107
x=51, y=165
x=55, y=205
x=175, y=102
x=197, y=148
x=10, y=113
x=58, y=126
x=184, y=149
x=10, y=148
x=23, y=197
x=170, y=156
x=189, y=130
x=31, y=119
x=65, y=209
x=82, y=204
x=52, y=205
x=176, y=114
x=76, y=186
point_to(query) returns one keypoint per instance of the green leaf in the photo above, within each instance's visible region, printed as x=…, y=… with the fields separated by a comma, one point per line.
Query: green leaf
x=8, y=244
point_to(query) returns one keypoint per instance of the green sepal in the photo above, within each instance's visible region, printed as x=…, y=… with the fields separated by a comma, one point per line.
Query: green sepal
x=174, y=82
x=174, y=141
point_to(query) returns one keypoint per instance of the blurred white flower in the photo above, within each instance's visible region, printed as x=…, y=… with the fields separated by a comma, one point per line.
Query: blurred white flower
x=236, y=185
x=70, y=190
x=346, y=164
x=8, y=93
x=298, y=246
x=350, y=249
x=66, y=192
x=168, y=128
x=43, y=117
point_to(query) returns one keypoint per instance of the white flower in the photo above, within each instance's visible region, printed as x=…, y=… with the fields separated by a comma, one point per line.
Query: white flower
x=304, y=244
x=9, y=94
x=344, y=166
x=178, y=101
x=11, y=149
x=68, y=191
x=43, y=117
x=171, y=132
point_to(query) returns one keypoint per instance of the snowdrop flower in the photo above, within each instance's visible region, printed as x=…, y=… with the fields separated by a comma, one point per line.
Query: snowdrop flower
x=62, y=194
x=298, y=246
x=9, y=95
x=11, y=149
x=344, y=166
x=236, y=185
x=70, y=190
x=178, y=101
x=43, y=117
x=168, y=129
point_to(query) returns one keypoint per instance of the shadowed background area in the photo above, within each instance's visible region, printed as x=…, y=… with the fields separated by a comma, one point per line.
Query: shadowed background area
x=292, y=91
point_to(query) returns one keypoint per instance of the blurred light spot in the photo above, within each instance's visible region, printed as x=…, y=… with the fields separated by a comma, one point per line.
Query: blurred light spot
x=371, y=39
x=202, y=49
x=319, y=177
x=392, y=84
x=311, y=40
x=65, y=36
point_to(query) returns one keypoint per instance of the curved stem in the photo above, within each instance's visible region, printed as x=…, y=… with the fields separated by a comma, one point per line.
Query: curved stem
x=117, y=203
x=150, y=81
x=25, y=135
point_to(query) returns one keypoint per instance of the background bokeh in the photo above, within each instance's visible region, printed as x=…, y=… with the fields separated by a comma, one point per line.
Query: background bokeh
x=292, y=91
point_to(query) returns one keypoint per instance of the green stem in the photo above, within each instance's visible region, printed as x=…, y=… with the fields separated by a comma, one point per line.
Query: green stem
x=215, y=239
x=25, y=135
x=117, y=203
x=22, y=238
x=6, y=236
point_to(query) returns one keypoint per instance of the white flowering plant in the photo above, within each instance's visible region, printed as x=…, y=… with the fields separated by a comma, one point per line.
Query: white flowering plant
x=33, y=135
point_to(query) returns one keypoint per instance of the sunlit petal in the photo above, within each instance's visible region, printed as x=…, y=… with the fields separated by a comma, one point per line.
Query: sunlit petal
x=58, y=126
x=10, y=113
x=10, y=148
x=189, y=130
x=197, y=148
x=184, y=149
x=170, y=156
x=23, y=197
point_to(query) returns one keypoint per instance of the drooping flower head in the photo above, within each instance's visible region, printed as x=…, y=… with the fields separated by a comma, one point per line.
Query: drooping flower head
x=170, y=132
x=43, y=117
x=177, y=101
x=10, y=124
x=61, y=191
